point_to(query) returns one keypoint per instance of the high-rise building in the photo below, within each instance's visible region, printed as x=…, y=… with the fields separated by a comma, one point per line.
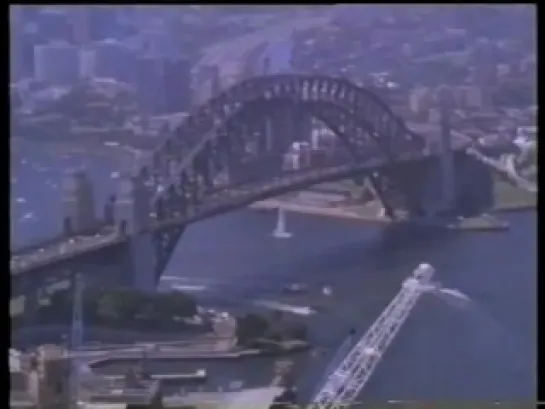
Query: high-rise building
x=56, y=63
x=159, y=42
x=207, y=84
x=79, y=18
x=54, y=25
x=87, y=62
x=485, y=74
x=177, y=78
x=102, y=22
x=114, y=60
x=472, y=97
x=420, y=100
x=150, y=90
x=21, y=51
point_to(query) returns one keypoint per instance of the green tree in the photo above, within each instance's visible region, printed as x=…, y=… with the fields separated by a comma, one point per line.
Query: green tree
x=107, y=307
x=250, y=327
x=174, y=304
x=59, y=308
x=120, y=305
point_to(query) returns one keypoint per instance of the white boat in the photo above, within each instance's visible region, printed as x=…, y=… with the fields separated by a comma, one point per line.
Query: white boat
x=296, y=288
x=294, y=309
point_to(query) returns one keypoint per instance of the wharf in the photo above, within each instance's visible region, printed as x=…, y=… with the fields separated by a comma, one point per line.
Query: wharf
x=256, y=398
x=180, y=353
x=328, y=205
x=137, y=355
x=199, y=375
x=331, y=205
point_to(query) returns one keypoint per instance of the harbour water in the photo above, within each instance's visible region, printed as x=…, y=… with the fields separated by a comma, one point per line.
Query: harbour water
x=484, y=352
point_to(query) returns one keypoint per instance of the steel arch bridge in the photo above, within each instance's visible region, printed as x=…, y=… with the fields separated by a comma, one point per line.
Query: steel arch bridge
x=229, y=151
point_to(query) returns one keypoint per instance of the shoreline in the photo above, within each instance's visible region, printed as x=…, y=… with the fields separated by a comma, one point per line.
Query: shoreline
x=369, y=213
x=329, y=207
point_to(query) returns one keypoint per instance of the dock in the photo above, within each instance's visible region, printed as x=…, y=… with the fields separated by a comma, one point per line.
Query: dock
x=128, y=356
x=256, y=398
x=164, y=353
x=199, y=375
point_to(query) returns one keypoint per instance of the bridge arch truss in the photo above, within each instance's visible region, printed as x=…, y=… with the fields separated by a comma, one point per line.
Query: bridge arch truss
x=215, y=153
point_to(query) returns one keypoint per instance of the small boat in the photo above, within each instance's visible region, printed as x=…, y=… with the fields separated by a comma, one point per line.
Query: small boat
x=327, y=290
x=296, y=288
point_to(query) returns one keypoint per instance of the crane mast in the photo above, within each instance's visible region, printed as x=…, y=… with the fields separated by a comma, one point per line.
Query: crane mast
x=76, y=333
x=348, y=379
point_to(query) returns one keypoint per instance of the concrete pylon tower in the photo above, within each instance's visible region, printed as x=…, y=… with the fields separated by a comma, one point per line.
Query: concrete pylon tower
x=132, y=217
x=445, y=100
x=78, y=203
x=132, y=207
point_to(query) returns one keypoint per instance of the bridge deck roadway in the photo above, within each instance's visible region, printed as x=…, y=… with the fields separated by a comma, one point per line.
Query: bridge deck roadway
x=216, y=203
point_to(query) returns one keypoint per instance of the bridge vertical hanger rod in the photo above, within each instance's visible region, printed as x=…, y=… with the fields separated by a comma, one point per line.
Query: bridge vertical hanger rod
x=76, y=335
x=344, y=384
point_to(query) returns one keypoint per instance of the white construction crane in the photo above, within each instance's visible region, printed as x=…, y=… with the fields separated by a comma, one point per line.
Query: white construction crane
x=343, y=385
x=76, y=334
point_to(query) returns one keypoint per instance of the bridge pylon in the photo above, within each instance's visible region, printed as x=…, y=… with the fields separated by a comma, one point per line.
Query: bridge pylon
x=132, y=217
x=78, y=203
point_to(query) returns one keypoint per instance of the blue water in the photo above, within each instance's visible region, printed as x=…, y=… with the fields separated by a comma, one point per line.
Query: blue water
x=486, y=351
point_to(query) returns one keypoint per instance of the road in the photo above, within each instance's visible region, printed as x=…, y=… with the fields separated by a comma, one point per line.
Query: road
x=47, y=253
x=231, y=55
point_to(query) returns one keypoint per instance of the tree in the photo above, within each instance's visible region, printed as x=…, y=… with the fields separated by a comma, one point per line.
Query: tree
x=59, y=308
x=120, y=305
x=175, y=304
x=107, y=307
x=297, y=330
x=250, y=327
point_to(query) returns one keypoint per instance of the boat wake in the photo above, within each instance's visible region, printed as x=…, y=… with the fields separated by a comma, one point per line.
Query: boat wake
x=278, y=306
x=454, y=297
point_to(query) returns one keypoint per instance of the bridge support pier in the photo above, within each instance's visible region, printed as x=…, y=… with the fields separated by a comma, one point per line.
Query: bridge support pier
x=132, y=218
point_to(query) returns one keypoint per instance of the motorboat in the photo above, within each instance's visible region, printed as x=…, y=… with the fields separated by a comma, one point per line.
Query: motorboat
x=296, y=288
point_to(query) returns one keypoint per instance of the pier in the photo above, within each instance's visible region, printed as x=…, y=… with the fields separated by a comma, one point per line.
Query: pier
x=198, y=375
